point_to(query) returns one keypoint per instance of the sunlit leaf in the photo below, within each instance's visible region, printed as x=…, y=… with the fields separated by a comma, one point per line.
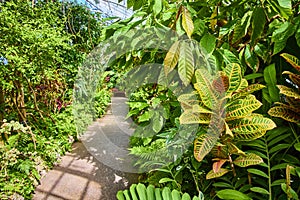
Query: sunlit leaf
x=242, y=107
x=234, y=73
x=171, y=58
x=252, y=124
x=203, y=145
x=186, y=63
x=187, y=22
x=204, y=87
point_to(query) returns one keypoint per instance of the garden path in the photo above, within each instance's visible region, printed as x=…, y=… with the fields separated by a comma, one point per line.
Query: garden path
x=98, y=166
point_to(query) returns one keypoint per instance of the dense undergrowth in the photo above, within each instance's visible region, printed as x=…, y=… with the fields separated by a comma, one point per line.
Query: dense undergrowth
x=216, y=101
x=42, y=46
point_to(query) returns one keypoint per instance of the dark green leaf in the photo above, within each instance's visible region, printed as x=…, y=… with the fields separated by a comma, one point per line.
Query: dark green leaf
x=258, y=24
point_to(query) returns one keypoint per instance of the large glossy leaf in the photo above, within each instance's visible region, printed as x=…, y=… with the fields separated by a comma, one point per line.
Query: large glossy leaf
x=252, y=124
x=281, y=35
x=187, y=22
x=204, y=87
x=157, y=7
x=241, y=29
x=171, y=58
x=218, y=165
x=203, y=145
x=211, y=174
x=248, y=136
x=292, y=60
x=247, y=160
x=288, y=91
x=258, y=24
x=186, y=63
x=242, y=107
x=270, y=78
x=285, y=112
x=234, y=73
x=248, y=90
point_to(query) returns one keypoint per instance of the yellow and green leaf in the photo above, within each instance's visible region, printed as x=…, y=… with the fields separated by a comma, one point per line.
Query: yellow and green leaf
x=252, y=124
x=187, y=22
x=247, y=160
x=294, y=61
x=185, y=63
x=211, y=174
x=204, y=87
x=171, y=58
x=188, y=117
x=242, y=107
x=288, y=91
x=234, y=73
x=285, y=112
x=203, y=145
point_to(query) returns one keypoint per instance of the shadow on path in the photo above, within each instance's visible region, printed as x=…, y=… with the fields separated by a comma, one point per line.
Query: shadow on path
x=81, y=175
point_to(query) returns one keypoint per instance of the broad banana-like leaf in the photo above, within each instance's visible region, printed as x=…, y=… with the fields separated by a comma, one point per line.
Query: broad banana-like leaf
x=203, y=145
x=187, y=22
x=241, y=108
x=171, y=58
x=248, y=90
x=247, y=160
x=252, y=124
x=188, y=117
x=294, y=77
x=234, y=73
x=288, y=91
x=292, y=60
x=285, y=112
x=186, y=63
x=211, y=174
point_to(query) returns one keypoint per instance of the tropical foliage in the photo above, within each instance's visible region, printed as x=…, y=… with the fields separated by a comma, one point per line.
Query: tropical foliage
x=229, y=51
x=140, y=191
x=41, y=46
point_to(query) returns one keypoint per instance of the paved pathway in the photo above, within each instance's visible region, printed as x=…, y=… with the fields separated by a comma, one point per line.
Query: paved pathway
x=98, y=166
